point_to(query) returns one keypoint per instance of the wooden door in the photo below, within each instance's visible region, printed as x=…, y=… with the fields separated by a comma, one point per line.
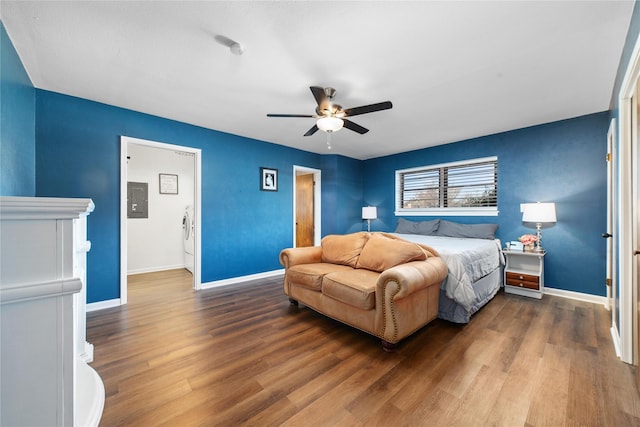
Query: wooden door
x=304, y=210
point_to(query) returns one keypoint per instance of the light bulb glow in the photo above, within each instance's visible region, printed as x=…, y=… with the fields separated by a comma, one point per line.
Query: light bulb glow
x=330, y=124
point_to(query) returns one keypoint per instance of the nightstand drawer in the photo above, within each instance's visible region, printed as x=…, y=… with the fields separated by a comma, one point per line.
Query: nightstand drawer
x=520, y=280
x=522, y=277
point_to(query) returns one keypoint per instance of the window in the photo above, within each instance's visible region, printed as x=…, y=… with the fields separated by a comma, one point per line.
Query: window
x=460, y=188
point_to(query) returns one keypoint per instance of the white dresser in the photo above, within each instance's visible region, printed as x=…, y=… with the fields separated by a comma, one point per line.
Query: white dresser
x=45, y=379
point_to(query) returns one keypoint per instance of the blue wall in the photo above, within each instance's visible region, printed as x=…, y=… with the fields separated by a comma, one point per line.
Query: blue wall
x=17, y=123
x=561, y=162
x=243, y=228
x=341, y=194
x=75, y=145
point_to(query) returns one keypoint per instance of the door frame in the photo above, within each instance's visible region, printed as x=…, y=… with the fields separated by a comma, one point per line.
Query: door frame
x=628, y=334
x=317, y=208
x=611, y=276
x=197, y=154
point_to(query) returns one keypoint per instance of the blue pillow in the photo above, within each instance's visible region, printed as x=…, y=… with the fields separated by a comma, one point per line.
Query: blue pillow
x=471, y=231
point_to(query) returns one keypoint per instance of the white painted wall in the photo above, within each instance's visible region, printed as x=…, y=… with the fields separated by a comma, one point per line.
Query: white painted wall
x=156, y=243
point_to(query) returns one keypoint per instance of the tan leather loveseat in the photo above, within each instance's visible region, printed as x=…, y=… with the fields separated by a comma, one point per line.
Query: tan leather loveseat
x=375, y=282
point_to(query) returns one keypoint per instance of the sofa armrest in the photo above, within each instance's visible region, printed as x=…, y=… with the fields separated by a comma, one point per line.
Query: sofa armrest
x=294, y=256
x=412, y=277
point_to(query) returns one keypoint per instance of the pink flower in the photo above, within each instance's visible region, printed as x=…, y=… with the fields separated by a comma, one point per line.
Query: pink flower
x=528, y=239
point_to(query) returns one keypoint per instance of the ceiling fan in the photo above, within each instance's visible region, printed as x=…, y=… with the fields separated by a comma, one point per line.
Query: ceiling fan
x=332, y=117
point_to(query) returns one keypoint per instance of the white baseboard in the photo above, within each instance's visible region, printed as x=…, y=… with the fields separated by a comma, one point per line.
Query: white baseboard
x=615, y=337
x=235, y=280
x=101, y=305
x=576, y=295
x=154, y=269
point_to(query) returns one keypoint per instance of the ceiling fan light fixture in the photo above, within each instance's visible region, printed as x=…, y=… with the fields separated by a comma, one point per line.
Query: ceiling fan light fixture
x=330, y=124
x=236, y=49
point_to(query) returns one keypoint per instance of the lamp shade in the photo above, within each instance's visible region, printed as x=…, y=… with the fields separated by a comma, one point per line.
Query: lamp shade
x=329, y=124
x=369, y=212
x=538, y=212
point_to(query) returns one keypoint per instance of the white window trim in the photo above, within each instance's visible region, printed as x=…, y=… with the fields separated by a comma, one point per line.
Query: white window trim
x=471, y=211
x=479, y=211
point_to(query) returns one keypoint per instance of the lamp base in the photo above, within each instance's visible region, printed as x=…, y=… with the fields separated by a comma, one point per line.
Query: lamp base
x=538, y=249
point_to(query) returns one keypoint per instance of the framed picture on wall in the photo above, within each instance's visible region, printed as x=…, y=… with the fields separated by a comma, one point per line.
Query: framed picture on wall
x=268, y=179
x=168, y=183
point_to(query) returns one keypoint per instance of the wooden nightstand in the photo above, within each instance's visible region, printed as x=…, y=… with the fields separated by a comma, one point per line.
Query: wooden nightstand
x=524, y=273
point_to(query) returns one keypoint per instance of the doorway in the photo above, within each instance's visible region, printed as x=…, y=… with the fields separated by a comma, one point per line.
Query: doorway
x=306, y=206
x=627, y=188
x=169, y=187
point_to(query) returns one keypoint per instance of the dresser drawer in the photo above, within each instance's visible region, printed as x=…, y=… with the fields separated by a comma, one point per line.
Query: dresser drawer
x=523, y=280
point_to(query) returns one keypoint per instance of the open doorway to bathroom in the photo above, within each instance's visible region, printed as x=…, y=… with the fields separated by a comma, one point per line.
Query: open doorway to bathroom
x=160, y=210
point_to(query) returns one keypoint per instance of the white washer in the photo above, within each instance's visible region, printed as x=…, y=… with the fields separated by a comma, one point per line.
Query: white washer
x=188, y=229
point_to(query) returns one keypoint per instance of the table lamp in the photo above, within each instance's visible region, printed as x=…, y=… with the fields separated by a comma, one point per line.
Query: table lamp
x=369, y=213
x=538, y=213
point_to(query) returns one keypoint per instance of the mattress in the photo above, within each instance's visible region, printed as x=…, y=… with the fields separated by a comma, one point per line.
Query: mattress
x=475, y=273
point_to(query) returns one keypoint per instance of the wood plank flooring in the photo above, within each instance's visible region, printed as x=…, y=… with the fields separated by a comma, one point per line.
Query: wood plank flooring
x=241, y=355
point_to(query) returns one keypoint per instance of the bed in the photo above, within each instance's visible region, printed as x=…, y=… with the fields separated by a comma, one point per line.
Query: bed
x=474, y=259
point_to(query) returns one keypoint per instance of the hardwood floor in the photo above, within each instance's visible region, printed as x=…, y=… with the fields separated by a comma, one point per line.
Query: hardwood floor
x=241, y=355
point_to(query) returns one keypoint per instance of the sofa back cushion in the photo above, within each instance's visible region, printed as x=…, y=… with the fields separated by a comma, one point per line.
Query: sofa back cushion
x=343, y=249
x=381, y=253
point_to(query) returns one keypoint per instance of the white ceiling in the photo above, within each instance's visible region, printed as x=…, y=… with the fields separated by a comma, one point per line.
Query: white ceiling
x=453, y=70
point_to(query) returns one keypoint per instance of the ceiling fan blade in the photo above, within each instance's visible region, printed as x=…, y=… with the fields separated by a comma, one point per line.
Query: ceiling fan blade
x=354, y=127
x=225, y=41
x=289, y=115
x=367, y=108
x=311, y=131
x=320, y=96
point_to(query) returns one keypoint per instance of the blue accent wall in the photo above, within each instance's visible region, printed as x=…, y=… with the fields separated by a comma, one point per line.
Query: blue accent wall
x=17, y=123
x=341, y=195
x=561, y=162
x=61, y=146
x=243, y=228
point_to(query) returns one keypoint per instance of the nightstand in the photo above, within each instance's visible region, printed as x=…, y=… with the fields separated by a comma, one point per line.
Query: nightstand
x=524, y=273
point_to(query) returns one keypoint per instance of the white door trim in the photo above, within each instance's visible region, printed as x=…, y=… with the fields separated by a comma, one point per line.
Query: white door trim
x=612, y=242
x=611, y=304
x=317, y=205
x=197, y=153
x=625, y=197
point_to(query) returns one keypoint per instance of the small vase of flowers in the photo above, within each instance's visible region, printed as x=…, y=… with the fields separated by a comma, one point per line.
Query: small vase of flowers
x=528, y=241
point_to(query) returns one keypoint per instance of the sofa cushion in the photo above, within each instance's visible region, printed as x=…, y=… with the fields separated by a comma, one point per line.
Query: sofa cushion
x=354, y=287
x=344, y=250
x=310, y=275
x=381, y=253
